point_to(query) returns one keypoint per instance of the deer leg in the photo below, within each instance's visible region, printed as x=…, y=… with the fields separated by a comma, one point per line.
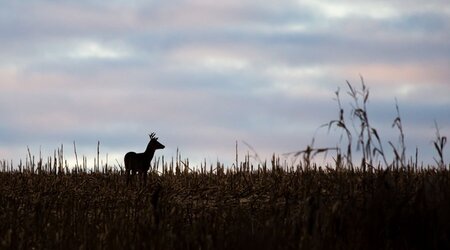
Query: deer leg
x=145, y=178
x=141, y=176
x=133, y=172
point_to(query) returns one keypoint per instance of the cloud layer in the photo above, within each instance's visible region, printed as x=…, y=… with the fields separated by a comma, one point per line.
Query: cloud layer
x=204, y=74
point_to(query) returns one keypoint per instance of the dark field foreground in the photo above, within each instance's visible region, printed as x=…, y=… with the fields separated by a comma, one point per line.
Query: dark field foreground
x=277, y=209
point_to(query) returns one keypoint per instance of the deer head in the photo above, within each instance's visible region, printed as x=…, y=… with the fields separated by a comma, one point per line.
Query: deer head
x=154, y=142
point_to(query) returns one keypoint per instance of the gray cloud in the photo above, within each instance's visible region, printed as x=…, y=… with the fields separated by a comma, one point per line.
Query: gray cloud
x=204, y=75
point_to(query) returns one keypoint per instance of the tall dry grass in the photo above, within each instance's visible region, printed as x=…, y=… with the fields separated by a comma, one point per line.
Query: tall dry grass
x=270, y=207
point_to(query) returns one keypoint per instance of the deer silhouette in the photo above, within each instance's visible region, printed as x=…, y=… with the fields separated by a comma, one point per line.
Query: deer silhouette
x=140, y=162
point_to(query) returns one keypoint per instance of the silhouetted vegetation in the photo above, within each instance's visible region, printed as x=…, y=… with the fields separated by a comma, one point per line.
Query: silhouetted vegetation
x=275, y=208
x=373, y=205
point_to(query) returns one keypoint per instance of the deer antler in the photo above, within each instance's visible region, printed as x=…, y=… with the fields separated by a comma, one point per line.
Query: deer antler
x=152, y=136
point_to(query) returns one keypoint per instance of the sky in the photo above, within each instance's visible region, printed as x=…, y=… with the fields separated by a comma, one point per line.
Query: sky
x=204, y=75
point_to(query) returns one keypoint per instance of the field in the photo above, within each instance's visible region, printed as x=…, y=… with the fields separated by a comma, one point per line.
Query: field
x=236, y=208
x=376, y=204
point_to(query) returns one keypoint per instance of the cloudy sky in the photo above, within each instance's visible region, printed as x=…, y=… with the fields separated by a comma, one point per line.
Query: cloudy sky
x=205, y=74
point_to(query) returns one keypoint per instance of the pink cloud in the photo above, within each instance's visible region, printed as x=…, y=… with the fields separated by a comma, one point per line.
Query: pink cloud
x=411, y=73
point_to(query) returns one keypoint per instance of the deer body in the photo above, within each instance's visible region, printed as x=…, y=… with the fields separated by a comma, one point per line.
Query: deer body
x=140, y=162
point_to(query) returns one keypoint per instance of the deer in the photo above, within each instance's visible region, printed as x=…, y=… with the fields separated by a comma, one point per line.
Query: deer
x=140, y=162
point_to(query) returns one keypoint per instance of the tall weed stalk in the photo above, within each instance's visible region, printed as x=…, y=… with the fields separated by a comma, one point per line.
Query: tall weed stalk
x=399, y=152
x=439, y=144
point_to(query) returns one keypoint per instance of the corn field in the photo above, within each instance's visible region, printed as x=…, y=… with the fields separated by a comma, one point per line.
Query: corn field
x=269, y=207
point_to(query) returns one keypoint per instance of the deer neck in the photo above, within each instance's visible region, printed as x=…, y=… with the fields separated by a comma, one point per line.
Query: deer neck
x=150, y=151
